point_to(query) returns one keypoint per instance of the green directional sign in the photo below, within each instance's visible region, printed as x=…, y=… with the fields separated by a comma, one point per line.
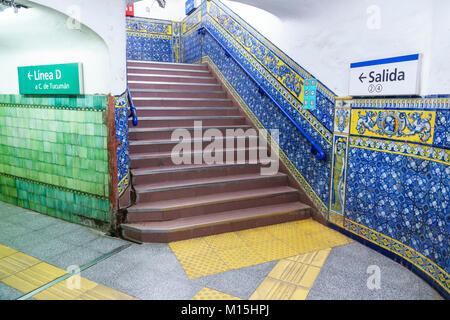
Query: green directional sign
x=64, y=78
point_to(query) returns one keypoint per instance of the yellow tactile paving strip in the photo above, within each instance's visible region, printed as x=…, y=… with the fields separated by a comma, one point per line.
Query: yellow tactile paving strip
x=205, y=256
x=210, y=294
x=25, y=273
x=292, y=278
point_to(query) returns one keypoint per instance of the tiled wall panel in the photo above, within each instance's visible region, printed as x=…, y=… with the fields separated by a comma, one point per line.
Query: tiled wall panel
x=123, y=158
x=191, y=39
x=153, y=40
x=53, y=156
x=398, y=180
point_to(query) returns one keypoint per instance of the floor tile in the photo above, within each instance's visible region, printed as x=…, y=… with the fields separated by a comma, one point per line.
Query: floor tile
x=211, y=294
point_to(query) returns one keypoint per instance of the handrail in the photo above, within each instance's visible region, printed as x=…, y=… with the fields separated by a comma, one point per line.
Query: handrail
x=315, y=148
x=133, y=113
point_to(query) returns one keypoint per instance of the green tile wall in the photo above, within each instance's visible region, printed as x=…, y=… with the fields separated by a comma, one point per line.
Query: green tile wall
x=60, y=203
x=53, y=155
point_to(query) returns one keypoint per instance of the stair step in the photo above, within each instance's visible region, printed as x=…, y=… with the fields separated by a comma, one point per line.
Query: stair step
x=181, y=102
x=167, y=71
x=198, y=226
x=154, y=64
x=180, y=94
x=170, y=78
x=208, y=199
x=169, y=185
x=173, y=85
x=166, y=132
x=165, y=190
x=164, y=158
x=186, y=111
x=182, y=121
x=184, y=207
x=197, y=71
x=193, y=172
x=183, y=168
x=166, y=145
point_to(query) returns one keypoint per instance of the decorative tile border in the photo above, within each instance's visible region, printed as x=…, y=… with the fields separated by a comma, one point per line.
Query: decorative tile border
x=413, y=126
x=338, y=174
x=407, y=253
x=403, y=103
x=123, y=159
x=277, y=89
x=74, y=191
x=81, y=103
x=191, y=21
x=286, y=59
x=338, y=181
x=402, y=148
x=147, y=27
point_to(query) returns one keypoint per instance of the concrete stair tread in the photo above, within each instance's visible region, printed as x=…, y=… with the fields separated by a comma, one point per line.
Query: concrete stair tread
x=209, y=199
x=170, y=185
x=215, y=218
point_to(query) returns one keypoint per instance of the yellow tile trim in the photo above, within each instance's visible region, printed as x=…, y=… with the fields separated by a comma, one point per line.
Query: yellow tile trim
x=292, y=278
x=6, y=251
x=211, y=294
x=209, y=255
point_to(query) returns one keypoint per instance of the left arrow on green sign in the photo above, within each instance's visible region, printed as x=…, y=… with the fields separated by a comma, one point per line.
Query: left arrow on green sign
x=51, y=79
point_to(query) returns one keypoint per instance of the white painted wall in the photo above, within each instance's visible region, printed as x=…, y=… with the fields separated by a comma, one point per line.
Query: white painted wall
x=174, y=10
x=325, y=36
x=40, y=35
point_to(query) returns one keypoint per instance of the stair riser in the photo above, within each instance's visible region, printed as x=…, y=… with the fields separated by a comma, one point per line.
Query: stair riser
x=216, y=229
x=182, y=103
x=167, y=160
x=187, y=123
x=173, y=86
x=168, y=147
x=172, y=72
x=211, y=208
x=167, y=65
x=197, y=173
x=160, y=135
x=210, y=189
x=188, y=113
x=161, y=78
x=187, y=95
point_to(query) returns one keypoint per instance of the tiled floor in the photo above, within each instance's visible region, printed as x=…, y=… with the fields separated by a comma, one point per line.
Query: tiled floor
x=234, y=250
x=301, y=260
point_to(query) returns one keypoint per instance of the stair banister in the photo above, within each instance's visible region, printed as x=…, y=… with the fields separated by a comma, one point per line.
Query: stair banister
x=315, y=148
x=133, y=113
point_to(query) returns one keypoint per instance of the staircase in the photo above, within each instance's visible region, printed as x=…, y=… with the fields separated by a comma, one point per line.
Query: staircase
x=177, y=202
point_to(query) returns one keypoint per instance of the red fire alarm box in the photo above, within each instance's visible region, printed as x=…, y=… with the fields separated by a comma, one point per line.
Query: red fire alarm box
x=130, y=10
